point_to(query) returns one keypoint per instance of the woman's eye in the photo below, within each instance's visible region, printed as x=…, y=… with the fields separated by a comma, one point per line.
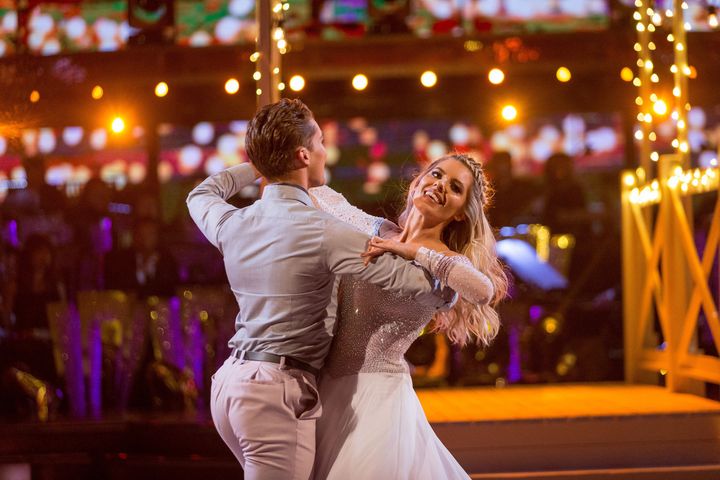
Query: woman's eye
x=435, y=174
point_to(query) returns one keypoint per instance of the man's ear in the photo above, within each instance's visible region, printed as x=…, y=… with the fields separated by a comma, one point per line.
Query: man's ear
x=302, y=157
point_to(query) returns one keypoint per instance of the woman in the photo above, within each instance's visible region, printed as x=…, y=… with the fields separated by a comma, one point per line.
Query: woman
x=373, y=425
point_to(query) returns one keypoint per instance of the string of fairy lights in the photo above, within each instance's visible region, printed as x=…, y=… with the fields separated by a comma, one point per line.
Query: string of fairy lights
x=652, y=107
x=267, y=57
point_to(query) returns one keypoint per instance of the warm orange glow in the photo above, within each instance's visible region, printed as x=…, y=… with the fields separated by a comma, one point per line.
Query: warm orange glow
x=97, y=92
x=232, y=86
x=360, y=82
x=34, y=96
x=509, y=113
x=563, y=74
x=428, y=79
x=118, y=125
x=496, y=76
x=297, y=83
x=161, y=89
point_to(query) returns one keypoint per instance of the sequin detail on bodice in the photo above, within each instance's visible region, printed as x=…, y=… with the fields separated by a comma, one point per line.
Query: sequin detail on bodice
x=375, y=329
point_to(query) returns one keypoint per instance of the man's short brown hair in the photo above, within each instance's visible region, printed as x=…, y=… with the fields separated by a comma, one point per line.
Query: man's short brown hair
x=274, y=134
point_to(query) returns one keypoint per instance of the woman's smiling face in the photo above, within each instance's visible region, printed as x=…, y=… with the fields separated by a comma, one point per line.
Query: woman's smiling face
x=441, y=193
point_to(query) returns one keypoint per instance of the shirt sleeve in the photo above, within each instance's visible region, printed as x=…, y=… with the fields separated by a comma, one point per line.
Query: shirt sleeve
x=334, y=203
x=207, y=203
x=342, y=248
x=458, y=273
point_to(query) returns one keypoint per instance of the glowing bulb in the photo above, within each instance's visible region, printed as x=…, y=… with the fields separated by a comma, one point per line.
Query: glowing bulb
x=97, y=92
x=676, y=91
x=654, y=78
x=258, y=92
x=637, y=82
x=670, y=37
x=649, y=65
x=640, y=27
x=360, y=82
x=509, y=113
x=639, y=135
x=654, y=156
x=652, y=136
x=684, y=147
x=161, y=89
x=428, y=79
x=232, y=86
x=629, y=179
x=117, y=125
x=496, y=76
x=626, y=74
x=660, y=107
x=563, y=74
x=713, y=20
x=297, y=83
x=34, y=96
x=281, y=86
x=282, y=44
x=255, y=57
x=257, y=76
x=680, y=47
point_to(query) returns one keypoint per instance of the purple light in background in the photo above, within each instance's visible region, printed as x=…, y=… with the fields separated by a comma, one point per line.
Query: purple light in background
x=514, y=369
x=13, y=238
x=95, y=353
x=176, y=353
x=535, y=312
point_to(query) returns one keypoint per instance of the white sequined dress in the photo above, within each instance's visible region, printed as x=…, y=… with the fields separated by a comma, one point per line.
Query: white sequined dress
x=373, y=426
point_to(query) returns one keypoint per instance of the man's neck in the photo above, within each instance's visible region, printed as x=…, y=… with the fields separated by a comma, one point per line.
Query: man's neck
x=296, y=177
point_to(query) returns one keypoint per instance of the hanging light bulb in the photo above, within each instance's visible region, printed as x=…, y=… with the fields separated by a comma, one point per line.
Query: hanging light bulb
x=712, y=16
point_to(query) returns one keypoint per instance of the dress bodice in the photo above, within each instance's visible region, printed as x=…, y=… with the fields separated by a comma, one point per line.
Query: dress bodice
x=375, y=329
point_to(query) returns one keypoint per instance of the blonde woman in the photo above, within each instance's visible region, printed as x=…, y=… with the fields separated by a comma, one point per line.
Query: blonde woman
x=373, y=425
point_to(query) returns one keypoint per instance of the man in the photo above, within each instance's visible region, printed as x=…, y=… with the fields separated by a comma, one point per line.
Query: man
x=281, y=256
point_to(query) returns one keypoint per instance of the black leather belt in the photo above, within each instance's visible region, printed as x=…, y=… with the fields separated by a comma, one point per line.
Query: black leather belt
x=272, y=358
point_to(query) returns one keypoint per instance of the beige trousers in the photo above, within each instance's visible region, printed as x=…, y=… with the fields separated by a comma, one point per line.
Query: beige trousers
x=266, y=414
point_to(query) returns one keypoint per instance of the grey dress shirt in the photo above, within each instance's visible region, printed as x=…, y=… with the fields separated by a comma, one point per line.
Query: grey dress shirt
x=282, y=254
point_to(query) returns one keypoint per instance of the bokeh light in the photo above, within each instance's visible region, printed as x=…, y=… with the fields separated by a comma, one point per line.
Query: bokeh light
x=360, y=82
x=97, y=92
x=509, y=113
x=297, y=83
x=161, y=89
x=496, y=76
x=428, y=79
x=117, y=125
x=232, y=86
x=563, y=74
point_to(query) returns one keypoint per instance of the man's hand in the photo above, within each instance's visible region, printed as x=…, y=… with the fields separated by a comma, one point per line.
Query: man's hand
x=378, y=246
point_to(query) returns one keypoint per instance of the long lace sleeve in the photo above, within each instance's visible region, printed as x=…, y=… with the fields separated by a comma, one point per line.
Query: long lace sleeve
x=458, y=273
x=334, y=203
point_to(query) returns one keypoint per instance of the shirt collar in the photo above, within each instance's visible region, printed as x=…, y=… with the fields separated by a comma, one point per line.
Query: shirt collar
x=288, y=191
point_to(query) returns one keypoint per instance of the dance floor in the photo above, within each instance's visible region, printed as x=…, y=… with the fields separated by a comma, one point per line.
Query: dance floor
x=597, y=431
x=557, y=402
x=588, y=432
